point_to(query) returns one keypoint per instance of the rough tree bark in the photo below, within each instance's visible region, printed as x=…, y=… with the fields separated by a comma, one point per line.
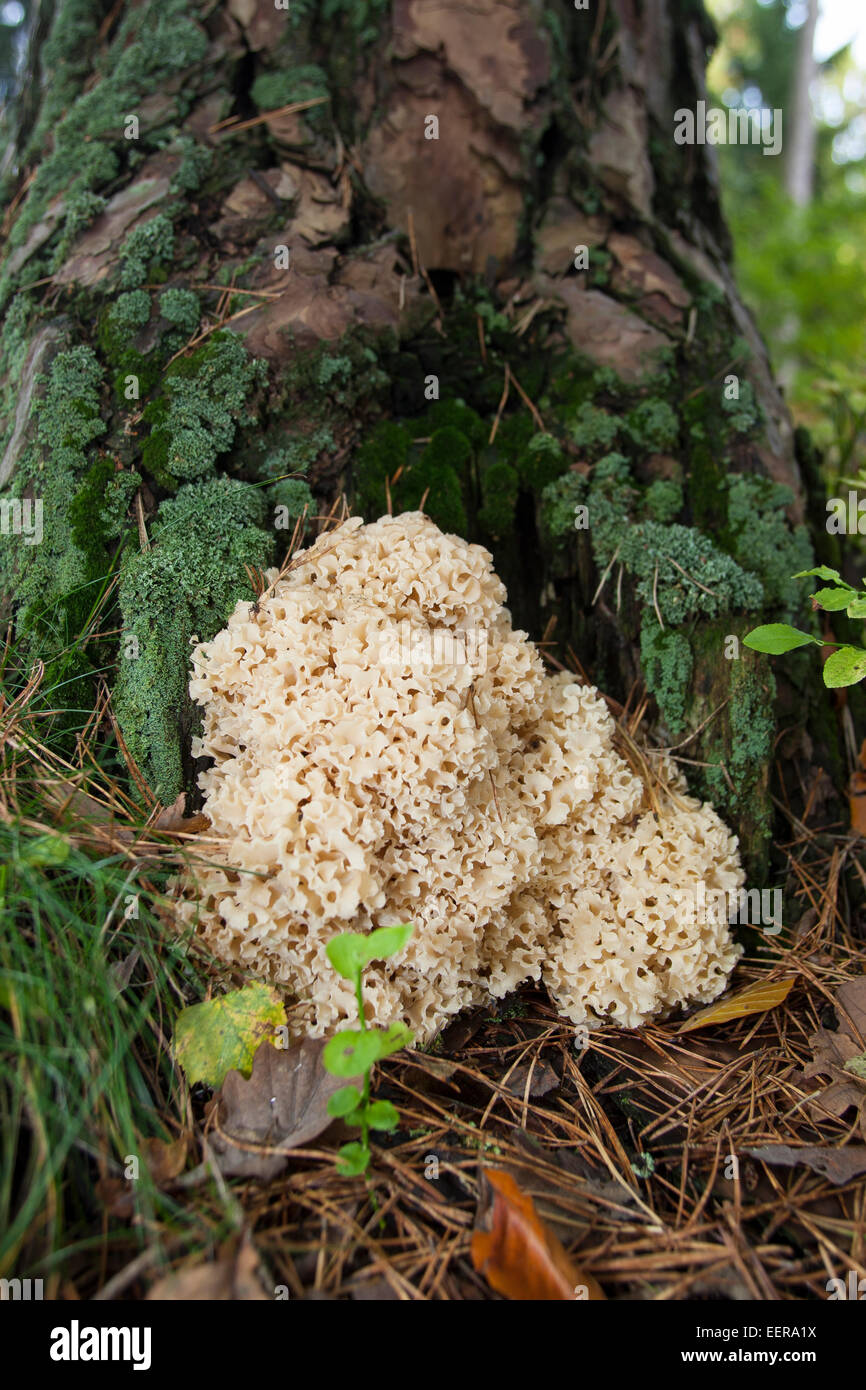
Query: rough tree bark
x=433, y=200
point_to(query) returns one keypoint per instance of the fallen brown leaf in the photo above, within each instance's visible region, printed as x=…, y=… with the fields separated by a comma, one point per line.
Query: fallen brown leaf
x=99, y=823
x=837, y=1165
x=543, y=1079
x=234, y=1277
x=517, y=1253
x=164, y=1162
x=835, y=1050
x=857, y=793
x=282, y=1106
x=754, y=999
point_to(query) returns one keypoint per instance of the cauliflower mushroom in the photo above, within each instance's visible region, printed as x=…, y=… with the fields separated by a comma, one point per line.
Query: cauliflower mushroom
x=385, y=748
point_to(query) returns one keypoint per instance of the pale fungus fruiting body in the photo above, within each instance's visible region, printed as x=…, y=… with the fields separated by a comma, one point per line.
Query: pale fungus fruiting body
x=386, y=748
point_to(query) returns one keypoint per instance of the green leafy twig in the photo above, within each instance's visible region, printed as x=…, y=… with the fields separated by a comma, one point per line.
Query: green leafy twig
x=355, y=1051
x=845, y=666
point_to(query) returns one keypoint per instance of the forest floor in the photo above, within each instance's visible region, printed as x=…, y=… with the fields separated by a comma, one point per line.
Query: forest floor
x=723, y=1162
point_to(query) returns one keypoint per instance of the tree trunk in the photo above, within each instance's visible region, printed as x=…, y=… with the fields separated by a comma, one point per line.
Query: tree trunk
x=508, y=296
x=800, y=160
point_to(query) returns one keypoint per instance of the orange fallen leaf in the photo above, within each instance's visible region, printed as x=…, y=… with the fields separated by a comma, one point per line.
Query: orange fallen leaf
x=857, y=793
x=754, y=999
x=517, y=1253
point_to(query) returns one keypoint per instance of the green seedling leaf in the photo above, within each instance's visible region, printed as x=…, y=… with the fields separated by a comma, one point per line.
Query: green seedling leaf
x=846, y=666
x=822, y=572
x=346, y=954
x=857, y=608
x=344, y=1101
x=351, y=951
x=222, y=1035
x=387, y=941
x=775, y=638
x=833, y=600
x=392, y=1039
x=352, y=1052
x=352, y=1159
x=382, y=1115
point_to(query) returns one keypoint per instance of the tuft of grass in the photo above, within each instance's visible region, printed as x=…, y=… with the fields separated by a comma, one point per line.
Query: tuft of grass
x=90, y=981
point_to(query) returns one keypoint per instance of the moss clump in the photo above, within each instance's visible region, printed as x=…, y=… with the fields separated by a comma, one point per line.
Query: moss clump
x=540, y=462
x=120, y=488
x=333, y=383
x=196, y=418
x=445, y=453
x=182, y=308
x=438, y=474
x=272, y=90
x=145, y=248
x=186, y=584
x=390, y=456
x=667, y=664
x=500, y=485
x=69, y=417
x=380, y=458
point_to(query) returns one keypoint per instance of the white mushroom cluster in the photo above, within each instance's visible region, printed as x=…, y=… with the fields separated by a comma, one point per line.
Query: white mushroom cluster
x=387, y=748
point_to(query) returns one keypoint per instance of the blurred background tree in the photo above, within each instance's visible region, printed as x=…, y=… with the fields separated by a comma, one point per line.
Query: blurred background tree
x=12, y=29
x=799, y=220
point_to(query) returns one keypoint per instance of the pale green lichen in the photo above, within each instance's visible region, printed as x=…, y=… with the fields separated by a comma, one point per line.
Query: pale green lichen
x=203, y=403
x=667, y=663
x=148, y=243
x=654, y=425
x=664, y=500
x=764, y=542
x=186, y=584
x=153, y=42
x=182, y=308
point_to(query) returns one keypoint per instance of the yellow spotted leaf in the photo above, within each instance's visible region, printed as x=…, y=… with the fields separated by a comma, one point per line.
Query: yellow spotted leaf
x=754, y=999
x=222, y=1035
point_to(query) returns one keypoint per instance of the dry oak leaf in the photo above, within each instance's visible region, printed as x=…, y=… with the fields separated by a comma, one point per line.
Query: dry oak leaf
x=754, y=999
x=517, y=1253
x=282, y=1106
x=837, y=1165
x=233, y=1277
x=836, y=1051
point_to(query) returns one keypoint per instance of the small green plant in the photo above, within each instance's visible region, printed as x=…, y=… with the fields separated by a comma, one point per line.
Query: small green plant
x=847, y=665
x=355, y=1051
